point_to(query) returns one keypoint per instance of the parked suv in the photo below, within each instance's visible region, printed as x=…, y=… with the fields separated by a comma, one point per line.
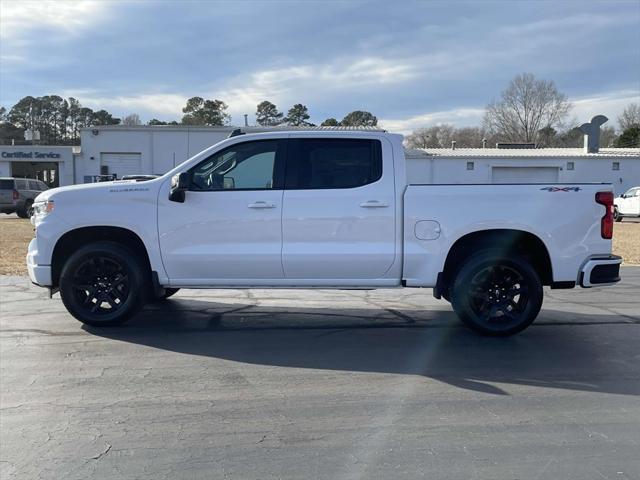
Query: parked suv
x=17, y=195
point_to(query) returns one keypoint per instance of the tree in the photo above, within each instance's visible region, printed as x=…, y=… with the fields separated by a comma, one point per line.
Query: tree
x=267, y=114
x=629, y=138
x=608, y=137
x=8, y=131
x=132, y=119
x=298, y=116
x=155, y=121
x=526, y=107
x=359, y=118
x=330, y=122
x=102, y=117
x=629, y=117
x=199, y=111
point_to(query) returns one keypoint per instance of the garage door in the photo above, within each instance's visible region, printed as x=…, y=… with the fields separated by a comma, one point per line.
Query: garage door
x=524, y=174
x=121, y=163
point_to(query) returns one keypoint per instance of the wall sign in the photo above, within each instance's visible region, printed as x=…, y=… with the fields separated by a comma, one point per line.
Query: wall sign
x=41, y=155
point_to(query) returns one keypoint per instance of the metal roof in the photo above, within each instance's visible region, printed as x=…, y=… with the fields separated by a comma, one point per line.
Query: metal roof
x=521, y=153
x=230, y=128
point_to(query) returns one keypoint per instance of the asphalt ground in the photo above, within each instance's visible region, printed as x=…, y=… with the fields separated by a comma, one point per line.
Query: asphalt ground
x=269, y=384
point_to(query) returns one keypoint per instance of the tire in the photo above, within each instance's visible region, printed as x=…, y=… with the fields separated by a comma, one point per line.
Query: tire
x=616, y=215
x=26, y=210
x=512, y=278
x=103, y=284
x=168, y=292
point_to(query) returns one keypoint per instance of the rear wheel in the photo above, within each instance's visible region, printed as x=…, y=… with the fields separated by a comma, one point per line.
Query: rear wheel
x=103, y=284
x=496, y=294
x=26, y=210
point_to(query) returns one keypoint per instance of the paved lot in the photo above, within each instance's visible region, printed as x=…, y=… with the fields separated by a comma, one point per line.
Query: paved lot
x=320, y=384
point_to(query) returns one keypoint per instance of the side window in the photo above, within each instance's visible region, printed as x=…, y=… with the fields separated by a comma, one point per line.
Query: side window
x=321, y=163
x=244, y=166
x=43, y=186
x=21, y=184
x=33, y=185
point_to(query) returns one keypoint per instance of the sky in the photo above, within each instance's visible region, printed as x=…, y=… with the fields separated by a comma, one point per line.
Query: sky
x=412, y=64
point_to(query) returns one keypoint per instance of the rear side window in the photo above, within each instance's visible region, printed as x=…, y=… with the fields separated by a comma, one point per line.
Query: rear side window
x=321, y=163
x=33, y=185
x=21, y=184
x=6, y=184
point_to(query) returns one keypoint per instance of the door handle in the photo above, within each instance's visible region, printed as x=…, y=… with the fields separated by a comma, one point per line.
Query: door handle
x=374, y=204
x=262, y=204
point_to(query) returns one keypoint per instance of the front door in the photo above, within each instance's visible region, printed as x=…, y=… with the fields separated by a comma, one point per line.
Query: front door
x=228, y=230
x=338, y=218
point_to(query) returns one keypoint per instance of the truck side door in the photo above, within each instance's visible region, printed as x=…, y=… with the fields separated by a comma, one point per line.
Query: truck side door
x=338, y=218
x=228, y=230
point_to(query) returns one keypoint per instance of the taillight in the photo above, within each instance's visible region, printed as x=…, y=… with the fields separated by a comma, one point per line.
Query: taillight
x=16, y=195
x=606, y=224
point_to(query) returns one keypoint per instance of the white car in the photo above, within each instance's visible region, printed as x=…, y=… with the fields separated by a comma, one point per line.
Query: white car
x=319, y=209
x=627, y=204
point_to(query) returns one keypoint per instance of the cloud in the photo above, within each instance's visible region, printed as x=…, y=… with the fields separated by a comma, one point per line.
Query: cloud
x=609, y=104
x=19, y=18
x=165, y=105
x=285, y=85
x=458, y=116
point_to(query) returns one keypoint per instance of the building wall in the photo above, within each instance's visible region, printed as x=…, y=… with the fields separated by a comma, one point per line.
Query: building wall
x=160, y=149
x=63, y=156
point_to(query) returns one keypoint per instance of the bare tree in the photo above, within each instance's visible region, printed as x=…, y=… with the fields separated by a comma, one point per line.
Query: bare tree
x=526, y=107
x=630, y=117
x=441, y=136
x=132, y=119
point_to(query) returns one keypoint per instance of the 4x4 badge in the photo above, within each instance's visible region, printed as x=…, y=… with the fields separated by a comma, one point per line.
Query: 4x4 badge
x=561, y=189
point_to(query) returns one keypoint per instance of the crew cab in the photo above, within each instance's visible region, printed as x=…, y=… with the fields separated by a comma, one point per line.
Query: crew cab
x=319, y=209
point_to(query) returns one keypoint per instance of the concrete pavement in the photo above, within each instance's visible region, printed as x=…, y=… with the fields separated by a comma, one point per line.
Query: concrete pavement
x=320, y=384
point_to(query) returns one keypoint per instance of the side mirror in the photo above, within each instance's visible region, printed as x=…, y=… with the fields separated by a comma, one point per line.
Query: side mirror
x=179, y=185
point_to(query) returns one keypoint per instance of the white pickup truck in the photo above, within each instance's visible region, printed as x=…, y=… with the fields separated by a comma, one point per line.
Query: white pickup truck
x=319, y=209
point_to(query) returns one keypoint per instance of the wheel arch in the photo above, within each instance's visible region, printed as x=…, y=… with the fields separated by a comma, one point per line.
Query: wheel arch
x=509, y=241
x=78, y=237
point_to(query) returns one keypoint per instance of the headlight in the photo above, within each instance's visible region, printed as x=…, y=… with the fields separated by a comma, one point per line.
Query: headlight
x=42, y=209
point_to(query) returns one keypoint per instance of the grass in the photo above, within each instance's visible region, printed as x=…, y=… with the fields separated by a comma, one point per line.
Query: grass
x=15, y=234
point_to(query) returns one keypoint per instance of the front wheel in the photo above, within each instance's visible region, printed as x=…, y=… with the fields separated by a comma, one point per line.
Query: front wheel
x=103, y=284
x=496, y=294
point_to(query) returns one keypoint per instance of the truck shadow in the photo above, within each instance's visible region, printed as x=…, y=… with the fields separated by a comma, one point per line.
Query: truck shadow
x=578, y=354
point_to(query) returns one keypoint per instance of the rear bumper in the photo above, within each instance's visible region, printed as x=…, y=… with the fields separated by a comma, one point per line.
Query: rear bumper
x=600, y=271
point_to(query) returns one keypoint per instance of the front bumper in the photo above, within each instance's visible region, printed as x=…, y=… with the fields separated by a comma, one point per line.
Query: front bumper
x=600, y=271
x=39, y=274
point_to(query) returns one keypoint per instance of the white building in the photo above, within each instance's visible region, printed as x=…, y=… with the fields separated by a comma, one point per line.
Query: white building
x=123, y=150
x=620, y=167
x=53, y=165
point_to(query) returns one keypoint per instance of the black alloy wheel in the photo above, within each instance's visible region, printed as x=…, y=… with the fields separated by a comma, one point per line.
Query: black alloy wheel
x=102, y=284
x=497, y=295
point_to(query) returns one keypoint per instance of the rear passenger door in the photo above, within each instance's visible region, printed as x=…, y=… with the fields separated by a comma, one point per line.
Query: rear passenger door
x=338, y=218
